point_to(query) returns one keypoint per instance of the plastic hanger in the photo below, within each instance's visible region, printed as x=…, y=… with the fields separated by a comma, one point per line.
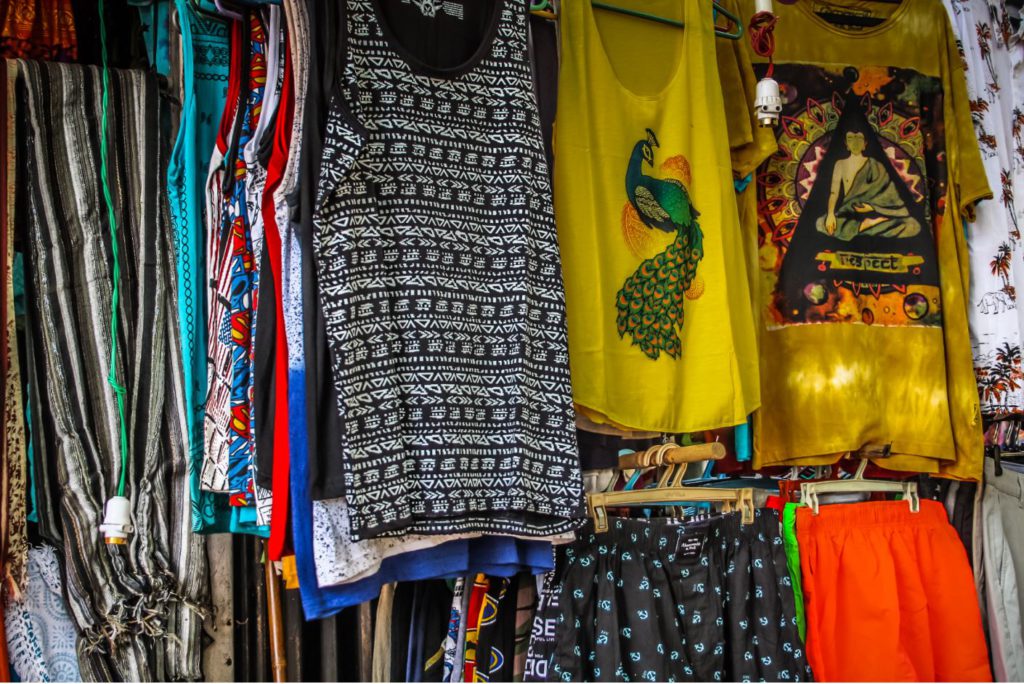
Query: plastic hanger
x=737, y=33
x=638, y=14
x=810, y=492
x=598, y=503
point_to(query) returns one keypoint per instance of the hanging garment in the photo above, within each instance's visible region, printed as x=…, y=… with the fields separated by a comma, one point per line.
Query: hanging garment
x=204, y=44
x=877, y=574
x=138, y=607
x=502, y=556
x=220, y=427
x=476, y=605
x=324, y=428
x=452, y=657
x=40, y=634
x=428, y=628
x=237, y=250
x=256, y=155
x=658, y=600
x=994, y=238
x=863, y=259
x=38, y=29
x=13, y=535
x=217, y=410
x=661, y=332
x=1003, y=534
x=441, y=291
x=283, y=195
x=270, y=361
x=541, y=648
x=495, y=642
x=526, y=605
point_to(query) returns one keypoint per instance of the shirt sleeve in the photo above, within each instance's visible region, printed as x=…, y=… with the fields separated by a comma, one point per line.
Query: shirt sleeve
x=966, y=169
x=749, y=143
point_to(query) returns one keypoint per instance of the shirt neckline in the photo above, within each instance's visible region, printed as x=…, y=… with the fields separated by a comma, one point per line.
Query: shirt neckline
x=889, y=22
x=591, y=21
x=418, y=65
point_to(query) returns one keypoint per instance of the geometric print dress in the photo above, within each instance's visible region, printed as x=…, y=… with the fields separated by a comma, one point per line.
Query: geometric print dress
x=440, y=281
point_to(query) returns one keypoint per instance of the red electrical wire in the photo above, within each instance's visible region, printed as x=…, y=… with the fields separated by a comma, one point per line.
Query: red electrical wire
x=762, y=38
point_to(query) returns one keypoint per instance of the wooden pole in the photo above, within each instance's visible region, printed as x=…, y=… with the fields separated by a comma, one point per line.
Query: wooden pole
x=278, y=659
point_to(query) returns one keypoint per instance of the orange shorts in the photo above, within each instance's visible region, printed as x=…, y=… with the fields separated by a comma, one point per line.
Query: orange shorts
x=889, y=595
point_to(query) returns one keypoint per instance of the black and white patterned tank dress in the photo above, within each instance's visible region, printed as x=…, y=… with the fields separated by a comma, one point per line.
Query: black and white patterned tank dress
x=441, y=286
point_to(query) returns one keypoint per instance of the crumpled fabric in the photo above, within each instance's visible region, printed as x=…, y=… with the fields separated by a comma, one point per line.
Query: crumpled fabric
x=40, y=634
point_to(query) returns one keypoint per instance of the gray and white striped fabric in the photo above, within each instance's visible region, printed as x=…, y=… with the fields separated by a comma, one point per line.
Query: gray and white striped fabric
x=139, y=607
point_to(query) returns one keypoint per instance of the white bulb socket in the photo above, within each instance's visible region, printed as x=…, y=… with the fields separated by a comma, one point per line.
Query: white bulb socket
x=768, y=103
x=117, y=520
x=762, y=6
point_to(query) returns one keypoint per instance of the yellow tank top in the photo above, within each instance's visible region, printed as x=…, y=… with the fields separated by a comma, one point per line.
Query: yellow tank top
x=661, y=330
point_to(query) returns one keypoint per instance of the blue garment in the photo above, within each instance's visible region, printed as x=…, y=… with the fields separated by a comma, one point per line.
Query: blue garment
x=742, y=437
x=206, y=52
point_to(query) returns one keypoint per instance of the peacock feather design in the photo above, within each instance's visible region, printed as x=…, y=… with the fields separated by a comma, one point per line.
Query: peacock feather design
x=650, y=303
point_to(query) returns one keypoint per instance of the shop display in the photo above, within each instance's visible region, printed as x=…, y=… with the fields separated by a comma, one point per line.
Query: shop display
x=548, y=341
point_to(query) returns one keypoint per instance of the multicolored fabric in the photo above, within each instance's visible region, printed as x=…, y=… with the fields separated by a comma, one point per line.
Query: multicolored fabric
x=451, y=640
x=38, y=29
x=13, y=535
x=205, y=48
x=659, y=600
x=138, y=607
x=236, y=229
x=41, y=637
x=495, y=636
x=862, y=253
x=476, y=603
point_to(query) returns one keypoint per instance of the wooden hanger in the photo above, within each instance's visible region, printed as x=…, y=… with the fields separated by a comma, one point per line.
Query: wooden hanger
x=666, y=454
x=810, y=492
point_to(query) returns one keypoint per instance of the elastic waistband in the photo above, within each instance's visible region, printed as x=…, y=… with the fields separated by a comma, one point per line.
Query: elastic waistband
x=838, y=517
x=644, y=533
x=1010, y=483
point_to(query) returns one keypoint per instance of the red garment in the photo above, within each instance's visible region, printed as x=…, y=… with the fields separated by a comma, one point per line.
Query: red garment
x=272, y=246
x=472, y=618
x=889, y=595
x=38, y=29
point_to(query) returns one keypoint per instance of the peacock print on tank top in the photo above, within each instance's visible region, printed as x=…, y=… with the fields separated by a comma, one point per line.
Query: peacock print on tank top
x=650, y=303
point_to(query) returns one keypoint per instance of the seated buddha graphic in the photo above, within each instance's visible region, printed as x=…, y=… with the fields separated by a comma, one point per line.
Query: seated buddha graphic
x=863, y=199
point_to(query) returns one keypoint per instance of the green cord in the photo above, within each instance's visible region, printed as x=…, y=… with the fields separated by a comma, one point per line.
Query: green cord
x=115, y=297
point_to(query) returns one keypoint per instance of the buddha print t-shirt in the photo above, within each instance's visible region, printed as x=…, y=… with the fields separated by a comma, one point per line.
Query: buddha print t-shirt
x=862, y=251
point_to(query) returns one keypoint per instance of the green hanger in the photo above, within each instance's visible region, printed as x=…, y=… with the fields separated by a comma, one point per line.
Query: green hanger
x=718, y=9
x=540, y=6
x=638, y=14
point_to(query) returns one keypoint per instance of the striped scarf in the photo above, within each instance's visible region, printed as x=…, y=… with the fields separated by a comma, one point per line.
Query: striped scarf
x=138, y=608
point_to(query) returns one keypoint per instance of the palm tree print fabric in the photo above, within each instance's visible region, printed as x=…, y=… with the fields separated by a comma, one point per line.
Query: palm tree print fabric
x=660, y=600
x=987, y=47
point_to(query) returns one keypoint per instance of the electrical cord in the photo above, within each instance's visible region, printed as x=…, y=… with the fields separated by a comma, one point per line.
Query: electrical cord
x=762, y=38
x=115, y=297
